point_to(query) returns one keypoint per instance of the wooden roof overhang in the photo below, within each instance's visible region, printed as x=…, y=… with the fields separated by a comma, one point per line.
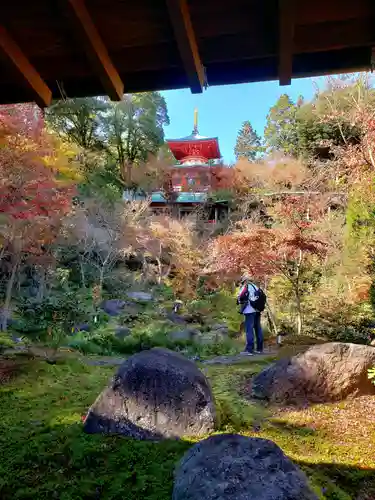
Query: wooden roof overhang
x=69, y=48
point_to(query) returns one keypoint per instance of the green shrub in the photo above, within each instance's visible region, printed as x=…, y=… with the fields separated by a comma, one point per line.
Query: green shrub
x=5, y=341
x=225, y=347
x=63, y=308
x=218, y=307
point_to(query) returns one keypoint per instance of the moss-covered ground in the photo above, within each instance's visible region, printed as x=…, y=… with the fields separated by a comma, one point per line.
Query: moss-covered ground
x=45, y=453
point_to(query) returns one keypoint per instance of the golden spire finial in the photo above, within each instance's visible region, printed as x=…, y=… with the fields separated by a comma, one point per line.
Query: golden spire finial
x=195, y=130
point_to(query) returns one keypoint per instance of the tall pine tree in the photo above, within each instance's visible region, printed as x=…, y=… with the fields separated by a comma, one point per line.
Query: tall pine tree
x=281, y=131
x=248, y=143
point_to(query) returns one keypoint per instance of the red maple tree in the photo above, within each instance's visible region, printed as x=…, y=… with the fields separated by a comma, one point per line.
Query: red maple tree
x=288, y=248
x=33, y=201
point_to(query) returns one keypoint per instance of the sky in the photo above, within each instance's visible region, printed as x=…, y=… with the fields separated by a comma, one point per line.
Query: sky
x=222, y=110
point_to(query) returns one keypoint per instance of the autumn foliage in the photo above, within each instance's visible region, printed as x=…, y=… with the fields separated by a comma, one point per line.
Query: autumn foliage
x=262, y=252
x=30, y=191
x=33, y=199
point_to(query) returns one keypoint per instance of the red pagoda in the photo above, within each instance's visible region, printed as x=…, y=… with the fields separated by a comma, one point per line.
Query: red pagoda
x=193, y=177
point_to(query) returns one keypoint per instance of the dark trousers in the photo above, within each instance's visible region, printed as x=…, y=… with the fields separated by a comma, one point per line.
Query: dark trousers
x=252, y=324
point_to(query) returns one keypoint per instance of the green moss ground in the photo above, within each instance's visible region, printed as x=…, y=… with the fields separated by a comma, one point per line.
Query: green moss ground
x=45, y=453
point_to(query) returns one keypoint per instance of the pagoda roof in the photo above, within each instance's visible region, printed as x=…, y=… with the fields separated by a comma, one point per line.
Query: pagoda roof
x=195, y=146
x=194, y=137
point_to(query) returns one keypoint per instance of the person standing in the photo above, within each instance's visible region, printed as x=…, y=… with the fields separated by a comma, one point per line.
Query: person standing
x=252, y=300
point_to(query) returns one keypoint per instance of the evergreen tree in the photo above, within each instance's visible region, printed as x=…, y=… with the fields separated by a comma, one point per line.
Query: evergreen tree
x=281, y=131
x=248, y=143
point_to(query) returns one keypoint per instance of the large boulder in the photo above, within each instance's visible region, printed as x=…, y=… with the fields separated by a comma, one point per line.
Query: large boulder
x=323, y=373
x=234, y=467
x=155, y=394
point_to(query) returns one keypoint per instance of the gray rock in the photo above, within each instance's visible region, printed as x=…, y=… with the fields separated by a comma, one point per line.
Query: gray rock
x=220, y=327
x=187, y=334
x=32, y=291
x=113, y=307
x=141, y=296
x=212, y=337
x=155, y=394
x=122, y=331
x=324, y=373
x=16, y=339
x=175, y=318
x=234, y=467
x=83, y=327
x=131, y=310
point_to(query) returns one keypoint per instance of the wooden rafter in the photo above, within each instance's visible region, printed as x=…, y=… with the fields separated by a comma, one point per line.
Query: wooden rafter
x=26, y=71
x=286, y=33
x=96, y=50
x=187, y=44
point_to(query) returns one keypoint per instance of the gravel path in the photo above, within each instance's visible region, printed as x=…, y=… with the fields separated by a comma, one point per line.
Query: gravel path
x=217, y=360
x=116, y=361
x=238, y=358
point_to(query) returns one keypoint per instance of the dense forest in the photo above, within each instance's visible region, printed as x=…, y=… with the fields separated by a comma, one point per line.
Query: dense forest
x=301, y=218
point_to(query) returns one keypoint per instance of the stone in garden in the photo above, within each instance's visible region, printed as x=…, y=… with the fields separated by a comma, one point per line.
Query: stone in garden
x=155, y=394
x=83, y=327
x=113, y=307
x=16, y=339
x=234, y=467
x=141, y=296
x=188, y=334
x=131, y=311
x=222, y=327
x=175, y=318
x=122, y=332
x=323, y=373
x=212, y=337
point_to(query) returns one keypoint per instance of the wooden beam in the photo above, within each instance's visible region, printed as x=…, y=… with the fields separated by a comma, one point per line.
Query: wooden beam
x=96, y=50
x=26, y=71
x=333, y=36
x=286, y=33
x=187, y=44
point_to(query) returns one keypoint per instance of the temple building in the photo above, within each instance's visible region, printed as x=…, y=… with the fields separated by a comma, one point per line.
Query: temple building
x=194, y=176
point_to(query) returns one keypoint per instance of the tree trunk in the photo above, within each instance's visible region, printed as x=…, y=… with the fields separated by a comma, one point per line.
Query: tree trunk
x=160, y=271
x=8, y=298
x=271, y=320
x=298, y=294
x=127, y=173
x=101, y=280
x=299, y=312
x=82, y=271
x=41, y=284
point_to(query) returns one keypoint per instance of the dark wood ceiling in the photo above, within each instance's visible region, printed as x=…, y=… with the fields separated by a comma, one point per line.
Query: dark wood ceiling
x=54, y=48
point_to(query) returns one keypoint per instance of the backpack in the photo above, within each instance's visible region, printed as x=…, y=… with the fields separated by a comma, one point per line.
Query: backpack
x=259, y=302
